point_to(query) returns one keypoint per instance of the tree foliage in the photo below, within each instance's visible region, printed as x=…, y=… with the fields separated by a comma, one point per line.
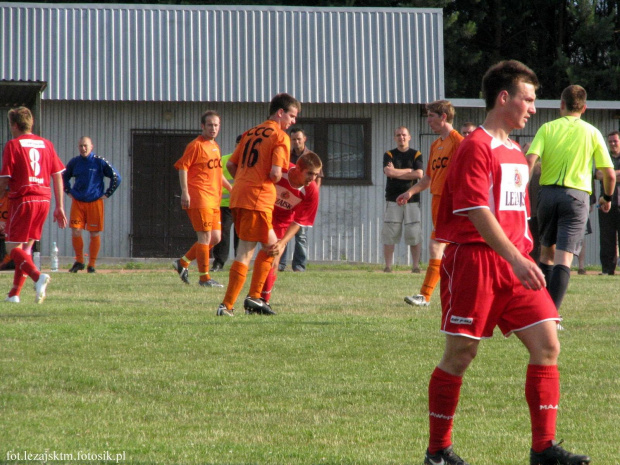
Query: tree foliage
x=565, y=42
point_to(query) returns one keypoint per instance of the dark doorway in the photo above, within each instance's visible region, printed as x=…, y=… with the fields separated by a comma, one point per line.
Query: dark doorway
x=160, y=227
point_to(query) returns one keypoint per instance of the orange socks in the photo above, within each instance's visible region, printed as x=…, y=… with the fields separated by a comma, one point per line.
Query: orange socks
x=93, y=250
x=78, y=246
x=262, y=265
x=190, y=255
x=202, y=260
x=430, y=279
x=236, y=280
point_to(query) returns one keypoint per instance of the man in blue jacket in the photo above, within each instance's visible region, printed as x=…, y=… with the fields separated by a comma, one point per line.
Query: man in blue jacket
x=87, y=194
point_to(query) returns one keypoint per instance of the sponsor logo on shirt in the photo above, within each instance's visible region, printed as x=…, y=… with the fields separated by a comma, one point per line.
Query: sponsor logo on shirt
x=514, y=183
x=32, y=143
x=282, y=203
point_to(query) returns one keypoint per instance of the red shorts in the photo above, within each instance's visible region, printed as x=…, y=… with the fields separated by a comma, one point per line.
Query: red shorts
x=479, y=291
x=205, y=219
x=27, y=216
x=252, y=225
x=87, y=215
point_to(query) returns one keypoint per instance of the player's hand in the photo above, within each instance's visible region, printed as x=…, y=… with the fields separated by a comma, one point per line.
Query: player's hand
x=403, y=198
x=276, y=249
x=60, y=218
x=185, y=200
x=529, y=274
x=604, y=206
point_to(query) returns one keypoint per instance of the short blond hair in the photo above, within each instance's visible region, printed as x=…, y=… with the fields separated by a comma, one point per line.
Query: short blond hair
x=309, y=160
x=440, y=107
x=21, y=116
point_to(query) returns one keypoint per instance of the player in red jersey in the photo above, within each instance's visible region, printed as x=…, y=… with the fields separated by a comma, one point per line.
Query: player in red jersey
x=29, y=163
x=296, y=205
x=487, y=277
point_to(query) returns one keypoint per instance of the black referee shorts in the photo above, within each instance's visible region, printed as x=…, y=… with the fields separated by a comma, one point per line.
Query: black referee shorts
x=562, y=217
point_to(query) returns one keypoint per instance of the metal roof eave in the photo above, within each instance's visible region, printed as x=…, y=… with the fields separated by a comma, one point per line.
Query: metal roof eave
x=591, y=104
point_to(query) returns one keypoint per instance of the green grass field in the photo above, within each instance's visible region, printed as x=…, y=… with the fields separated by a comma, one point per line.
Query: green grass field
x=134, y=362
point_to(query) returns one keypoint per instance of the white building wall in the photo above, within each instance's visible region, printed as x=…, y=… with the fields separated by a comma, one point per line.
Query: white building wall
x=349, y=221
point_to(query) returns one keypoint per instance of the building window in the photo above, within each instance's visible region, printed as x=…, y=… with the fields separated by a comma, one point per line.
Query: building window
x=344, y=146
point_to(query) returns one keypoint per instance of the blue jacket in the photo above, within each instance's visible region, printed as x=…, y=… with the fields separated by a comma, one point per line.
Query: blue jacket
x=89, y=173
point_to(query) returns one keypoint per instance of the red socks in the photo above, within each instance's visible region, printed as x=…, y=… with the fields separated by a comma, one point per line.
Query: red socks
x=269, y=283
x=444, y=391
x=23, y=267
x=542, y=392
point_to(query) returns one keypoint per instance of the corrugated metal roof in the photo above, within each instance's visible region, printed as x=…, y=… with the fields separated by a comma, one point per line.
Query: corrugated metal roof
x=224, y=53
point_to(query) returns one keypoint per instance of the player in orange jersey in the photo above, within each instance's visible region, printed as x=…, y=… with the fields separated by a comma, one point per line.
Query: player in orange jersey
x=256, y=165
x=440, y=115
x=201, y=179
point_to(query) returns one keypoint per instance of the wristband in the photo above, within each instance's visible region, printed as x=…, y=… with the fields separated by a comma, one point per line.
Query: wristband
x=606, y=198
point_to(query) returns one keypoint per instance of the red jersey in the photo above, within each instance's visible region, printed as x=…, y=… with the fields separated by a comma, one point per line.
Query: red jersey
x=485, y=173
x=203, y=162
x=294, y=205
x=29, y=161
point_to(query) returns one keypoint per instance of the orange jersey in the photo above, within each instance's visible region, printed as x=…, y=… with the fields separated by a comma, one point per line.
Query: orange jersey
x=259, y=149
x=203, y=162
x=439, y=160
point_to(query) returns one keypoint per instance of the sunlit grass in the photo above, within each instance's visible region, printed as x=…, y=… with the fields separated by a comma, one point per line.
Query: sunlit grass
x=135, y=361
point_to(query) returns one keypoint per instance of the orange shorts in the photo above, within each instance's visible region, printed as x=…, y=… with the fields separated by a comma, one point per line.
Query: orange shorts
x=434, y=211
x=87, y=215
x=205, y=219
x=252, y=225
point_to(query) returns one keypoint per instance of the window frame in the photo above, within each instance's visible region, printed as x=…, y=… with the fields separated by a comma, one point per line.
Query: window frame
x=320, y=143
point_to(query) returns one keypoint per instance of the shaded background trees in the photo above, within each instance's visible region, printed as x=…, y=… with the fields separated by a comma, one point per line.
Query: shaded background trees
x=564, y=41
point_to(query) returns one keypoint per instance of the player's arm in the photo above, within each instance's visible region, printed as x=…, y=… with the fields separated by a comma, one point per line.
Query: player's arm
x=232, y=168
x=278, y=248
x=226, y=184
x=276, y=173
x=4, y=183
x=609, y=185
x=525, y=270
x=115, y=178
x=599, y=174
x=420, y=186
x=408, y=174
x=184, y=191
x=67, y=174
x=59, y=211
x=531, y=158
